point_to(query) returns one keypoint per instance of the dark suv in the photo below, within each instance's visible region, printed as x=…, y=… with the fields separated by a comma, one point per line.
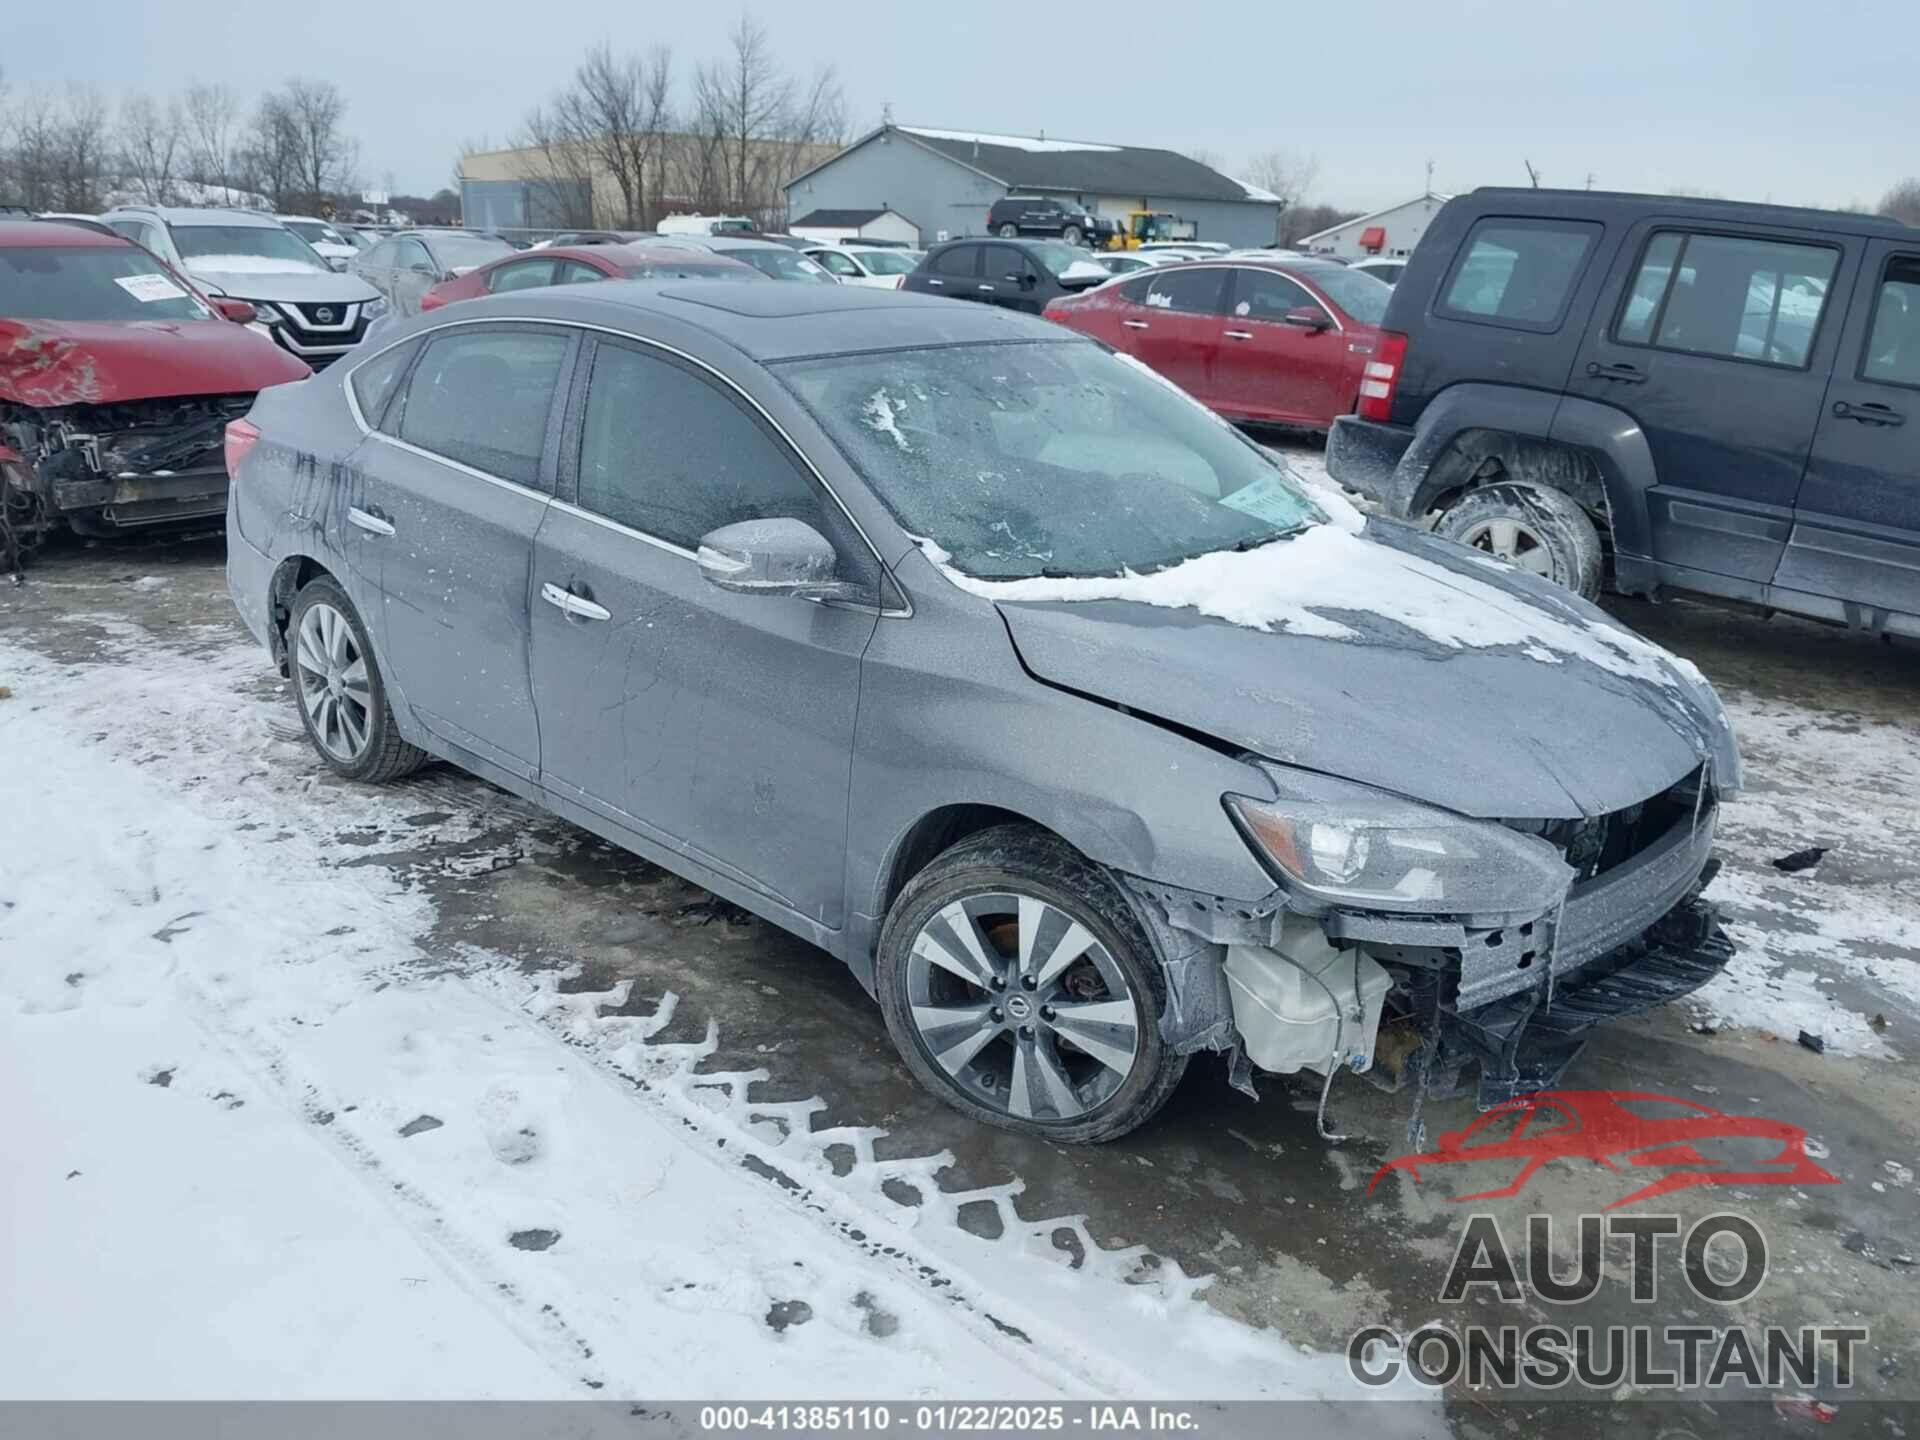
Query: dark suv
x=1710, y=396
x=1017, y=274
x=1038, y=215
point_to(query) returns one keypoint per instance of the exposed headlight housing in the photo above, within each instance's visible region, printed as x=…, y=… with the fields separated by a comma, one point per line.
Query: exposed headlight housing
x=1340, y=844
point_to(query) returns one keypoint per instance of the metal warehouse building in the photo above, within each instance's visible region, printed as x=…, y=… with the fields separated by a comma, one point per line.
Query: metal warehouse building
x=944, y=180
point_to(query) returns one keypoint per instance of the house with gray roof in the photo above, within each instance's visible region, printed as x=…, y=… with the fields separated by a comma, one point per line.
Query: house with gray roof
x=944, y=181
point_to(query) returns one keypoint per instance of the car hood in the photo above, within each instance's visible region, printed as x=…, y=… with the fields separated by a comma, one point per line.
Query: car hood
x=1560, y=713
x=301, y=285
x=47, y=362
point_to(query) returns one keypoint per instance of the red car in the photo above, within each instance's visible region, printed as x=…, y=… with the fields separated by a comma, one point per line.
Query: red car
x=574, y=264
x=117, y=379
x=1618, y=1129
x=1272, y=341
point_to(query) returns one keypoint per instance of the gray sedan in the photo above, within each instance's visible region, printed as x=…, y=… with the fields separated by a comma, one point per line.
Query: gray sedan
x=1080, y=729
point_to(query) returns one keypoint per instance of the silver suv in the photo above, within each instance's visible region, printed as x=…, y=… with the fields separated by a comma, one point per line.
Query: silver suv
x=297, y=299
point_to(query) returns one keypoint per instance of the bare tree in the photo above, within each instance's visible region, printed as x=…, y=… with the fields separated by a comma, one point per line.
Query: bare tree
x=271, y=155
x=616, y=111
x=743, y=99
x=323, y=153
x=212, y=119
x=1299, y=221
x=556, y=170
x=150, y=141
x=1285, y=174
x=82, y=134
x=1212, y=159
x=1902, y=202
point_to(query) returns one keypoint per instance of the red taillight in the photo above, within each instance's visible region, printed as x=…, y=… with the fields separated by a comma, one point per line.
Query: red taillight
x=242, y=436
x=432, y=301
x=1382, y=375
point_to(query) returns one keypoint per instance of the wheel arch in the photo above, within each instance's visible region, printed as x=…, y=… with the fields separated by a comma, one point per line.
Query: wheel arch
x=934, y=833
x=290, y=576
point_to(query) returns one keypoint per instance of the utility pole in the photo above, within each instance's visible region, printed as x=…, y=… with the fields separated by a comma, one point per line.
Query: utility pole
x=1589, y=179
x=1429, y=175
x=1533, y=175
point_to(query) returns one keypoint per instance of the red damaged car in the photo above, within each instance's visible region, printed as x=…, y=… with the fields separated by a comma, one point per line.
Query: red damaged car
x=117, y=379
x=575, y=264
x=1278, y=341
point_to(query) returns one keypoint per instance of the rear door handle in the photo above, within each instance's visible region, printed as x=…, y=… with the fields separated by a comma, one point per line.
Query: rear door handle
x=577, y=606
x=1871, y=413
x=937, y=284
x=1134, y=324
x=1626, y=374
x=1239, y=334
x=983, y=286
x=369, y=521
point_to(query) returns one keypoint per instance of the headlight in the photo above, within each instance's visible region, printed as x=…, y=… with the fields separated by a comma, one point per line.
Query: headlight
x=1347, y=844
x=265, y=314
x=374, y=308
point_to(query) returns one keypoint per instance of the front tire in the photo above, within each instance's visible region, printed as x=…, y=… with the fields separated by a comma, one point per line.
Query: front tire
x=1021, y=989
x=1540, y=529
x=1073, y=235
x=338, y=687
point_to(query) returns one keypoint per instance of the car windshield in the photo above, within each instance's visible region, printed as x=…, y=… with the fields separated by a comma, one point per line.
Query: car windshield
x=886, y=262
x=1047, y=458
x=316, y=232
x=781, y=263
x=97, y=282
x=1057, y=256
x=463, y=252
x=244, y=247
x=1362, y=296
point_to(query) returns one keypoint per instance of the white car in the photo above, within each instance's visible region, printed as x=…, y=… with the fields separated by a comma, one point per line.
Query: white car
x=1382, y=268
x=332, y=246
x=878, y=267
x=1126, y=262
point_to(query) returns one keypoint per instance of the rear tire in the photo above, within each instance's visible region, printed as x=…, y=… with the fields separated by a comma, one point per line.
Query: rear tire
x=339, y=690
x=1535, y=527
x=1007, y=232
x=1020, y=988
x=1073, y=235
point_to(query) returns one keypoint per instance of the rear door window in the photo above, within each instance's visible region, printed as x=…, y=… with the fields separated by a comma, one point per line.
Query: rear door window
x=481, y=397
x=836, y=261
x=1194, y=292
x=960, y=260
x=374, y=382
x=526, y=275
x=1263, y=295
x=1738, y=297
x=1519, y=272
x=1893, y=346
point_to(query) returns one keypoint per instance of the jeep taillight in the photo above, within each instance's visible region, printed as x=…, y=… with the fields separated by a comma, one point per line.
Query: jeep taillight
x=1382, y=375
x=242, y=436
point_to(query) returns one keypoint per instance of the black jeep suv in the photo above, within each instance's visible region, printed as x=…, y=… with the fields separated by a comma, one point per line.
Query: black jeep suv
x=1711, y=396
x=1038, y=215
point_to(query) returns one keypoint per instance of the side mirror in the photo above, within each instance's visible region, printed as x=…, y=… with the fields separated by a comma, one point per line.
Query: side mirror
x=1307, y=317
x=420, y=267
x=238, y=311
x=773, y=557
x=338, y=262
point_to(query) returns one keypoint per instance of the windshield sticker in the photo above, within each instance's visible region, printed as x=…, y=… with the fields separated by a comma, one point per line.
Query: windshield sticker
x=149, y=288
x=1269, y=499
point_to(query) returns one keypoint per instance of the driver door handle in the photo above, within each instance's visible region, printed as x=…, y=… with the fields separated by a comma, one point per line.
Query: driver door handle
x=578, y=606
x=1871, y=413
x=1626, y=374
x=370, y=521
x=1239, y=334
x=1134, y=324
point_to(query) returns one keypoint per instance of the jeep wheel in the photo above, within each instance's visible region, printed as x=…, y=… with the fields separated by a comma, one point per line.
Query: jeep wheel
x=1008, y=231
x=1073, y=235
x=1541, y=530
x=1021, y=989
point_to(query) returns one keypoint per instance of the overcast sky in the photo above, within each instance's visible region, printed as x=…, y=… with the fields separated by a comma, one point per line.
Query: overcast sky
x=1753, y=99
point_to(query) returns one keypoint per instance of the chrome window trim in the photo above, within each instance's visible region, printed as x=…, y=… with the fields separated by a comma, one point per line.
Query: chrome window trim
x=1305, y=288
x=425, y=337
x=461, y=466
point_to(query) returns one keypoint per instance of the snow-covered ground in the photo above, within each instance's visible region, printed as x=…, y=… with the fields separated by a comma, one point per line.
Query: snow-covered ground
x=259, y=1146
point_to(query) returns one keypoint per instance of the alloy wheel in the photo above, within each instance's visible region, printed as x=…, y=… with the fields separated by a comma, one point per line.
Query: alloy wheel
x=1513, y=542
x=1022, y=1007
x=332, y=675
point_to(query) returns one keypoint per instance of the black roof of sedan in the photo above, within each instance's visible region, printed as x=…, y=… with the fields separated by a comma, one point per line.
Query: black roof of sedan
x=778, y=322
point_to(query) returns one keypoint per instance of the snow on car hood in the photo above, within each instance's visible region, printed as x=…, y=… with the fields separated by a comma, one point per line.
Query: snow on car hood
x=51, y=362
x=1393, y=659
x=268, y=279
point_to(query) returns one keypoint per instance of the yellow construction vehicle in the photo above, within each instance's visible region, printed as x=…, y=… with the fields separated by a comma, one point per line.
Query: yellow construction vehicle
x=1145, y=226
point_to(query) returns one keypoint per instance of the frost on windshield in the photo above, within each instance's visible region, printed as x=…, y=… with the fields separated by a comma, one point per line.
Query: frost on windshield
x=880, y=412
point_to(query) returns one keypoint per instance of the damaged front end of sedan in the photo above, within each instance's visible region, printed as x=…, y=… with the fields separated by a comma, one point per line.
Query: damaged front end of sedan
x=107, y=468
x=1433, y=952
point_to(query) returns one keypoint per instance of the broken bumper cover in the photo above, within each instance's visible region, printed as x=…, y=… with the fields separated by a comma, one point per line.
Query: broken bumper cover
x=134, y=500
x=1365, y=455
